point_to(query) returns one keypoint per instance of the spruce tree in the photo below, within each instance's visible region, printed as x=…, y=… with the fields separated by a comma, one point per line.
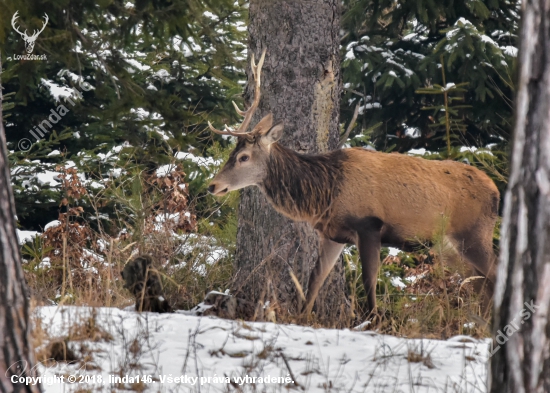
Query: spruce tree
x=393, y=49
x=153, y=72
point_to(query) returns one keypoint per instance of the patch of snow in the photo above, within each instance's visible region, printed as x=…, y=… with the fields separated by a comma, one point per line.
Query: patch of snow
x=163, y=75
x=412, y=279
x=165, y=170
x=510, y=51
x=362, y=326
x=374, y=105
x=26, y=236
x=102, y=245
x=449, y=86
x=44, y=263
x=412, y=132
x=172, y=217
x=393, y=251
x=96, y=184
x=141, y=114
x=58, y=92
x=397, y=282
x=52, y=224
x=418, y=152
x=475, y=150
x=488, y=40
x=200, y=161
x=90, y=256
x=48, y=178
x=210, y=15
x=193, y=347
x=116, y=172
x=137, y=65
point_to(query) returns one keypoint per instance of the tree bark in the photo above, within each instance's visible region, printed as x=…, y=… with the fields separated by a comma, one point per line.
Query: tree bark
x=521, y=360
x=16, y=352
x=301, y=85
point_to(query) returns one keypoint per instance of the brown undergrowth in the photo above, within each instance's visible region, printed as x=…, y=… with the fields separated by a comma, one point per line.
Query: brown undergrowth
x=79, y=259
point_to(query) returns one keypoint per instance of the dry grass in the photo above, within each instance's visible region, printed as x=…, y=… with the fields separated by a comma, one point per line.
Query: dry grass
x=439, y=304
x=438, y=301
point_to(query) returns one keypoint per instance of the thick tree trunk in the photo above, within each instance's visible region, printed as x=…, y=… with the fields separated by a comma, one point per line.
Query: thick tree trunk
x=16, y=353
x=521, y=360
x=300, y=85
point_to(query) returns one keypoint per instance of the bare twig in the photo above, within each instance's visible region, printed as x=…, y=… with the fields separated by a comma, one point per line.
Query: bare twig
x=297, y=284
x=356, y=92
x=64, y=266
x=143, y=289
x=294, y=380
x=350, y=126
x=110, y=261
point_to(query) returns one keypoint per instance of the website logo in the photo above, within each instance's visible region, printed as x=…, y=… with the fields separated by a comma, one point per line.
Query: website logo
x=29, y=39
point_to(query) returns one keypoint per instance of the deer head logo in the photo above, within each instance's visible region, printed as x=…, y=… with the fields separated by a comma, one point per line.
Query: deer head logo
x=29, y=40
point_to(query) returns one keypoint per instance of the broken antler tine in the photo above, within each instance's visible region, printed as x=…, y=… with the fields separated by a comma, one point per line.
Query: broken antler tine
x=240, y=112
x=260, y=65
x=256, y=71
x=247, y=114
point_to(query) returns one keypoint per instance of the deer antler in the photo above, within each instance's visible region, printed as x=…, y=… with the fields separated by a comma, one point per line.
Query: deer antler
x=256, y=72
x=13, y=19
x=43, y=26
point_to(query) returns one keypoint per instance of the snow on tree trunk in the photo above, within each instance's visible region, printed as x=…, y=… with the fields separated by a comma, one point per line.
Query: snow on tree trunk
x=16, y=353
x=522, y=297
x=300, y=85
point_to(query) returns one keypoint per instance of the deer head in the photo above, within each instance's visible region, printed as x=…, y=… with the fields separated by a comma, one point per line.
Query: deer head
x=247, y=163
x=29, y=40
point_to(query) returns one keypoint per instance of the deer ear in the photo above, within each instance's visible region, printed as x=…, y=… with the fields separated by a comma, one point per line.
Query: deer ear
x=274, y=134
x=263, y=125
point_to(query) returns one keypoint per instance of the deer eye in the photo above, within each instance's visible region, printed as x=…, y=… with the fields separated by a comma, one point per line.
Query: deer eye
x=243, y=158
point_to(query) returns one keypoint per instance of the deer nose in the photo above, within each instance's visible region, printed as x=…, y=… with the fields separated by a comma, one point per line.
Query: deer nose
x=211, y=188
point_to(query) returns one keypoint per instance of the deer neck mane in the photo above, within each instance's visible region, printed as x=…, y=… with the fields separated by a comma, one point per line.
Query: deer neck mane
x=302, y=186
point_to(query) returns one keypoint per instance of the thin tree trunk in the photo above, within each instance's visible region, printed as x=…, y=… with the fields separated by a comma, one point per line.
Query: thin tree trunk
x=16, y=353
x=300, y=85
x=521, y=360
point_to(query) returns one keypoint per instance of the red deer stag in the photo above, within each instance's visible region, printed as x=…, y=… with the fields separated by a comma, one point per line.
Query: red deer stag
x=363, y=197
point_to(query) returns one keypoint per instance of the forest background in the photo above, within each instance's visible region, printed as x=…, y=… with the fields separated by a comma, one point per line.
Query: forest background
x=129, y=156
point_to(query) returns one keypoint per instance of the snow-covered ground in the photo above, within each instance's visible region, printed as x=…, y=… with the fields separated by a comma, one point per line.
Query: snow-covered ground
x=220, y=353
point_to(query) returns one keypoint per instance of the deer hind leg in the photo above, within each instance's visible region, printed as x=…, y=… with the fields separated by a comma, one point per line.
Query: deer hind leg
x=369, y=251
x=329, y=252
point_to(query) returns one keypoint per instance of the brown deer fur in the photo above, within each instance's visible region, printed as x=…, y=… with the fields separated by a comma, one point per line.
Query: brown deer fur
x=369, y=199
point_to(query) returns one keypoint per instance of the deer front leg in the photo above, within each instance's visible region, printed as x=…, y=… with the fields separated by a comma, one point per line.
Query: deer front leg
x=329, y=253
x=369, y=251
